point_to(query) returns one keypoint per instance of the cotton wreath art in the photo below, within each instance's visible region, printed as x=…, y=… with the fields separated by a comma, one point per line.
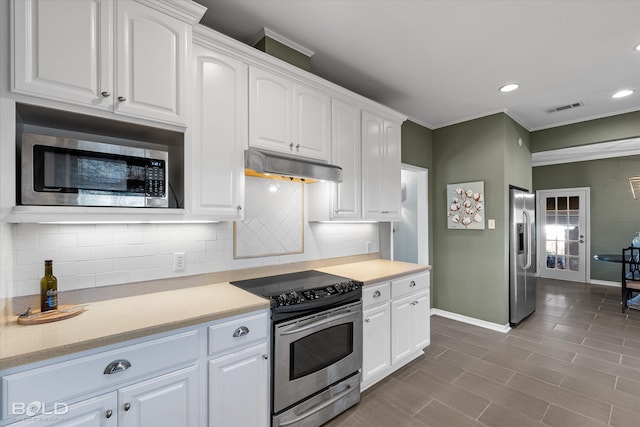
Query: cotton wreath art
x=465, y=207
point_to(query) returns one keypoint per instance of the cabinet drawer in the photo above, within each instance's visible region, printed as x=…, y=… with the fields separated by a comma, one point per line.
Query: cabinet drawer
x=408, y=284
x=77, y=377
x=375, y=294
x=238, y=333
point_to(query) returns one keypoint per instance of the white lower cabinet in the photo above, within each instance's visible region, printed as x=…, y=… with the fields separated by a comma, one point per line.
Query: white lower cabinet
x=166, y=401
x=96, y=412
x=396, y=325
x=158, y=381
x=238, y=391
x=239, y=372
x=376, y=334
x=410, y=319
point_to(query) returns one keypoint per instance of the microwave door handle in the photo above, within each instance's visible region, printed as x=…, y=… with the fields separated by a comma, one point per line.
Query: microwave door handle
x=316, y=324
x=317, y=408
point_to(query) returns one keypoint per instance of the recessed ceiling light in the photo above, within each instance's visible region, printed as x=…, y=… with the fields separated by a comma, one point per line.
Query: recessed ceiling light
x=622, y=93
x=509, y=87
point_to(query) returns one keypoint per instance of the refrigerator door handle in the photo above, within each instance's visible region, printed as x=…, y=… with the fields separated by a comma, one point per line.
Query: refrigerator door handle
x=527, y=221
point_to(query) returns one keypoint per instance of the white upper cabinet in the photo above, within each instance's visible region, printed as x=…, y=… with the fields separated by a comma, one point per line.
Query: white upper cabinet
x=343, y=201
x=288, y=117
x=381, y=169
x=68, y=51
x=63, y=50
x=312, y=122
x=218, y=135
x=151, y=57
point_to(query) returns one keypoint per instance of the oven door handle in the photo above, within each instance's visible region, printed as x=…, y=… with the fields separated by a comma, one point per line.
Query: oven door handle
x=318, y=408
x=318, y=323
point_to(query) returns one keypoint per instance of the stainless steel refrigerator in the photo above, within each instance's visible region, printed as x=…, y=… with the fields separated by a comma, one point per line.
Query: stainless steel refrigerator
x=522, y=254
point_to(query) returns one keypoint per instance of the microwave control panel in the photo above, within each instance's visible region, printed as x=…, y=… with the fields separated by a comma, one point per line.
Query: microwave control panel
x=155, y=178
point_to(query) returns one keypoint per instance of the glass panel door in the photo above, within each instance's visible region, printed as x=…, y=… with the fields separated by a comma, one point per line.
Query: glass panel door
x=563, y=234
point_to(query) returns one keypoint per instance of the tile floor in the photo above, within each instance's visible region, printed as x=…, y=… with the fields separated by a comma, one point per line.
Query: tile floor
x=574, y=362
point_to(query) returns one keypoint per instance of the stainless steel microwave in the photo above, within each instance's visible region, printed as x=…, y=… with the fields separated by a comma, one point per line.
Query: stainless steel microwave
x=60, y=171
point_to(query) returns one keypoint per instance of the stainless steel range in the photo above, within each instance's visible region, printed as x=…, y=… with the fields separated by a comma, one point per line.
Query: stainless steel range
x=316, y=345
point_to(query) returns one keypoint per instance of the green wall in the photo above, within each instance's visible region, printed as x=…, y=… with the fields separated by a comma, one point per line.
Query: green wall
x=281, y=51
x=470, y=275
x=614, y=213
x=417, y=150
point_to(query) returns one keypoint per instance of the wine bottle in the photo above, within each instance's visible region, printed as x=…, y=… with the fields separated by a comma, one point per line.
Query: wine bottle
x=48, y=288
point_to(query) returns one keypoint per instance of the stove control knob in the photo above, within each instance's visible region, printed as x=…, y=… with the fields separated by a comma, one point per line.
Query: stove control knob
x=282, y=300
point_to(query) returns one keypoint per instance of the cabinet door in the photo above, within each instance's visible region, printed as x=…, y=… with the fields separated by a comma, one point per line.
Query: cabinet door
x=402, y=333
x=239, y=388
x=345, y=152
x=270, y=111
x=151, y=55
x=167, y=401
x=63, y=50
x=97, y=412
x=421, y=322
x=312, y=123
x=392, y=174
x=376, y=352
x=372, y=165
x=219, y=135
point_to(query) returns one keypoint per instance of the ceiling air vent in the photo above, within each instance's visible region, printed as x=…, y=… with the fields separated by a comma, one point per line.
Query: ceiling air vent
x=564, y=107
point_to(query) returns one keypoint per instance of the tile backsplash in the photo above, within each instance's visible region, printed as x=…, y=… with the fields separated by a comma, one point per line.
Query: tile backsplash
x=88, y=256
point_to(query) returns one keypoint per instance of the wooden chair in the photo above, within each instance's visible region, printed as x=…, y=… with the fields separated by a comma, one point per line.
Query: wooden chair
x=630, y=275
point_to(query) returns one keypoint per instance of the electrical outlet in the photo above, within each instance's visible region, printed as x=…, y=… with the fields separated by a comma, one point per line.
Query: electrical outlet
x=179, y=261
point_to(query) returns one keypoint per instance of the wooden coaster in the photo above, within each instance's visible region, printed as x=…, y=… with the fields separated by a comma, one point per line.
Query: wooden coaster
x=63, y=312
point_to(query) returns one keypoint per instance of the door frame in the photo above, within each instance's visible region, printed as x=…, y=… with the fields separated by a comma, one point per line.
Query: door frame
x=587, y=228
x=423, y=212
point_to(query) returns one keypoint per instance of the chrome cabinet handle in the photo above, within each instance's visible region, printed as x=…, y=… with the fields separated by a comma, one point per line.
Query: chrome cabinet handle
x=265, y=356
x=376, y=294
x=122, y=98
x=298, y=147
x=241, y=331
x=291, y=146
x=127, y=406
x=239, y=207
x=116, y=366
x=105, y=94
x=412, y=284
x=367, y=320
x=109, y=413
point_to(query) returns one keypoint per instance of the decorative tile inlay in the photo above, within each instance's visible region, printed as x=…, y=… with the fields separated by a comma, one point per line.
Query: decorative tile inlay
x=273, y=220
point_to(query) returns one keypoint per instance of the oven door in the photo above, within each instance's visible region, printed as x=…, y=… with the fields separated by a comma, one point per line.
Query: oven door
x=313, y=352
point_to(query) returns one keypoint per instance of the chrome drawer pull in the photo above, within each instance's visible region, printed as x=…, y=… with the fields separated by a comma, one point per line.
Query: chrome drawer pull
x=412, y=284
x=109, y=413
x=376, y=294
x=241, y=331
x=116, y=366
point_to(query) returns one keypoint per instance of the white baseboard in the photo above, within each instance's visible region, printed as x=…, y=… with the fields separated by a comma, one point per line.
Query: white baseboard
x=471, y=320
x=605, y=283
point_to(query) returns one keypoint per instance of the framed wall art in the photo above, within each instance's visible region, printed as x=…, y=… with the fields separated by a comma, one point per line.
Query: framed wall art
x=465, y=205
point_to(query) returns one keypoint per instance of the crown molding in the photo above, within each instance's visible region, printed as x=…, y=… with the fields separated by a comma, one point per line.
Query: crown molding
x=582, y=153
x=266, y=32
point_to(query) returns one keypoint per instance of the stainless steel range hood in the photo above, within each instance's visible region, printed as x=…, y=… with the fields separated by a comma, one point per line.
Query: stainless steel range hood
x=275, y=165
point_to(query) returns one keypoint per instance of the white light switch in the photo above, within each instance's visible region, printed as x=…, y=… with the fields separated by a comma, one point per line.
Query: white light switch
x=491, y=223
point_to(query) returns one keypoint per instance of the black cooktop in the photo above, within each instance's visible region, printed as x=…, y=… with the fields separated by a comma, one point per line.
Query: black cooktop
x=303, y=291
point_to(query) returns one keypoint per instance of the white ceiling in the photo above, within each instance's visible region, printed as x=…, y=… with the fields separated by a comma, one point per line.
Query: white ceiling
x=442, y=61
